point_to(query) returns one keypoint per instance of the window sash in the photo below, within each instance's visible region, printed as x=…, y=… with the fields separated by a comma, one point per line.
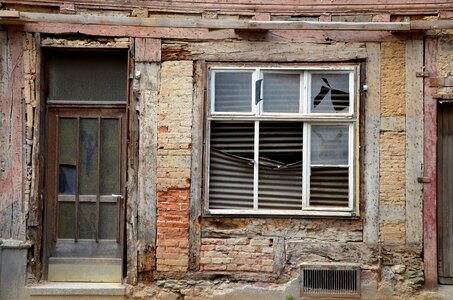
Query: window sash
x=307, y=119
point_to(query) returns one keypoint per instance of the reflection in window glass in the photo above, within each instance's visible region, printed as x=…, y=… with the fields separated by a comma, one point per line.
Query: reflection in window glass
x=108, y=219
x=109, y=157
x=329, y=144
x=88, y=156
x=330, y=93
x=233, y=92
x=87, y=229
x=66, y=220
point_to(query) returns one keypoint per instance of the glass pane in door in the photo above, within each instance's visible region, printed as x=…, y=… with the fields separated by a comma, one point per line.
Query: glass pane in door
x=89, y=178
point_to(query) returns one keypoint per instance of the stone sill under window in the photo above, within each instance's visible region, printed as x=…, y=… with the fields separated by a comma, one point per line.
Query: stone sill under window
x=77, y=289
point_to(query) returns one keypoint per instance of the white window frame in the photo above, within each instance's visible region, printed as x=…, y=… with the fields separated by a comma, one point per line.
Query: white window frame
x=304, y=116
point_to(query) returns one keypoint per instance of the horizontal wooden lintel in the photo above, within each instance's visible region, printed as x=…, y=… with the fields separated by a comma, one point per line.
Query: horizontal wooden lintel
x=31, y=17
x=167, y=22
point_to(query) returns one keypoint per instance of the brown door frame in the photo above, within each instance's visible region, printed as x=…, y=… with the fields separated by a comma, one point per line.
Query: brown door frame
x=48, y=236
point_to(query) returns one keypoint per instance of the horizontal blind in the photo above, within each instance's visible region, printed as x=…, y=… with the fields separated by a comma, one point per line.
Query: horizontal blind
x=280, y=168
x=231, y=165
x=329, y=186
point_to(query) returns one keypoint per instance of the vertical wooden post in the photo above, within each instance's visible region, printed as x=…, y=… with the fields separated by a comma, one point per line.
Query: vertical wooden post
x=430, y=156
x=147, y=70
x=371, y=140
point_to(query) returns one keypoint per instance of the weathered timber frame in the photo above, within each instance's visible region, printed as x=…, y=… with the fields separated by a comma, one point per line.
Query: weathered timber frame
x=353, y=117
x=430, y=170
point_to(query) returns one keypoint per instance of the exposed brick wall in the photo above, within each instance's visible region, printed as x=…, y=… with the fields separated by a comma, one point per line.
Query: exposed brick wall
x=173, y=165
x=237, y=254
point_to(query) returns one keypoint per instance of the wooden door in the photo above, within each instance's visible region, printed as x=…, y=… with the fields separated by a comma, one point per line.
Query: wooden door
x=85, y=192
x=445, y=194
x=86, y=97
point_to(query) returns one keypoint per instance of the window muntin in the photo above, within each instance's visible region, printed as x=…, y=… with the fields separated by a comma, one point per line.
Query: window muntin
x=302, y=157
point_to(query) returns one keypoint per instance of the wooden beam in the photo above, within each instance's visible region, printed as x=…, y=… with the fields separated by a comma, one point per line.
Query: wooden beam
x=249, y=7
x=414, y=142
x=32, y=17
x=9, y=14
x=430, y=170
x=428, y=25
x=371, y=140
x=228, y=51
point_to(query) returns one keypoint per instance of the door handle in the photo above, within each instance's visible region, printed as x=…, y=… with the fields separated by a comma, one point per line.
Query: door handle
x=118, y=196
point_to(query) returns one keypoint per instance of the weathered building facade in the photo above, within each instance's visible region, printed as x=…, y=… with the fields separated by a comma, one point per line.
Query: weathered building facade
x=193, y=149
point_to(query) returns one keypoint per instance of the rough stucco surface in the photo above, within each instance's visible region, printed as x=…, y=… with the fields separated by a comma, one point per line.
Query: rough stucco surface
x=444, y=65
x=393, y=77
x=393, y=167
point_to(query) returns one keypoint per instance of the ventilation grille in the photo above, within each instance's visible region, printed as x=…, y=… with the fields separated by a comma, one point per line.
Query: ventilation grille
x=330, y=280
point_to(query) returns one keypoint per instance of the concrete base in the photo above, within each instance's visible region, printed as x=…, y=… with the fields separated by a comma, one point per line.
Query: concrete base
x=76, y=290
x=85, y=269
x=13, y=268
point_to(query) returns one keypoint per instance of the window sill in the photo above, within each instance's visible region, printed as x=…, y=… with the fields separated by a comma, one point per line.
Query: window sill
x=281, y=213
x=77, y=288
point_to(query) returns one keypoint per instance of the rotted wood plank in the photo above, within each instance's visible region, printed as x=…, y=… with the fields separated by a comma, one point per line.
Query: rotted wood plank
x=147, y=84
x=196, y=183
x=263, y=51
x=12, y=219
x=132, y=197
x=147, y=50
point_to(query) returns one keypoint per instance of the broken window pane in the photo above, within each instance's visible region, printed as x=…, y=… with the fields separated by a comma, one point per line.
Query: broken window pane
x=233, y=92
x=231, y=165
x=281, y=92
x=280, y=165
x=329, y=144
x=329, y=93
x=67, y=155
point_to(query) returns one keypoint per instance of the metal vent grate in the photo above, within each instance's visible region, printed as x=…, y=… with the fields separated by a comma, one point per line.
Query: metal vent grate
x=330, y=280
